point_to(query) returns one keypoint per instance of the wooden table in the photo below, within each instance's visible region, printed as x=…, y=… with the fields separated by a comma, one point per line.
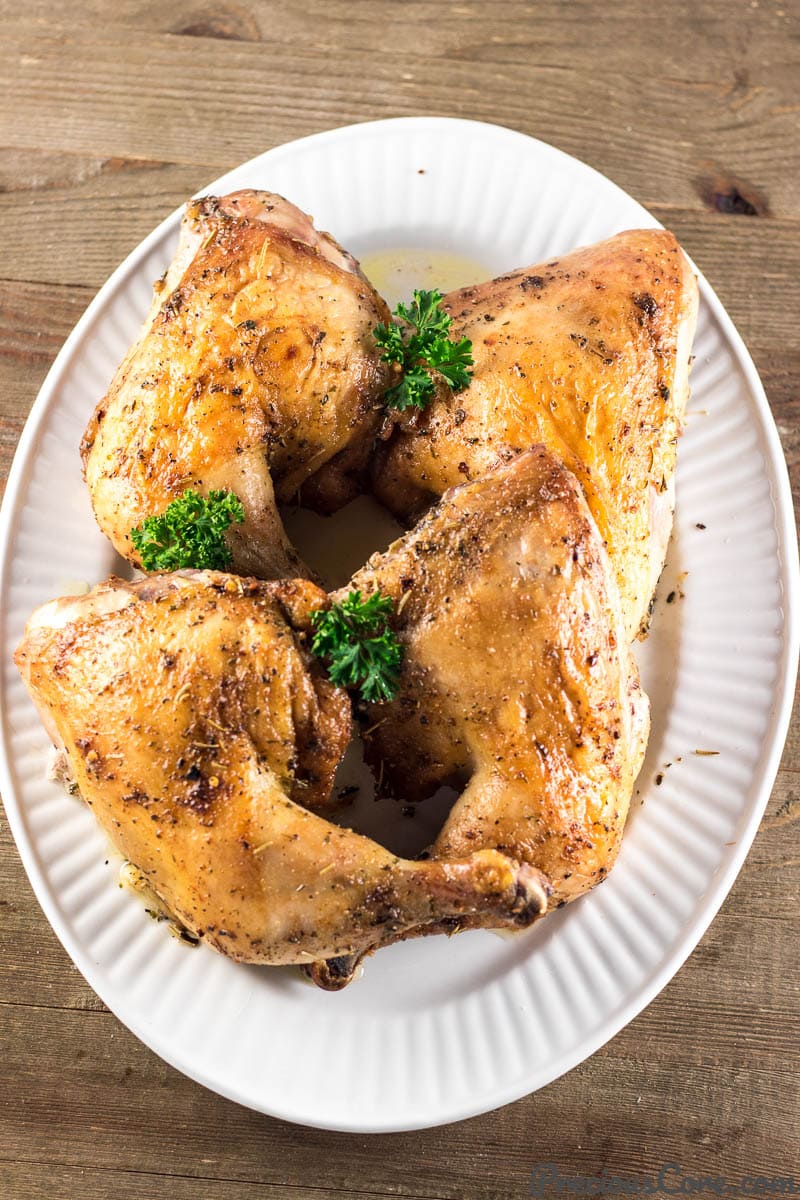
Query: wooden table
x=111, y=115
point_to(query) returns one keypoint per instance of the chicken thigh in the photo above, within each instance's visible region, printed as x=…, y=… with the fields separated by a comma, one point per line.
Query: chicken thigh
x=518, y=684
x=588, y=354
x=256, y=372
x=200, y=732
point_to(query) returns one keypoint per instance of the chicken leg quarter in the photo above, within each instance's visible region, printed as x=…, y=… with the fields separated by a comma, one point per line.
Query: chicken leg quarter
x=200, y=732
x=518, y=683
x=256, y=371
x=587, y=353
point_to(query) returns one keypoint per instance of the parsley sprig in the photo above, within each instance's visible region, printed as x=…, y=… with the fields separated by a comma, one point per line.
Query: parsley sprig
x=360, y=648
x=189, y=533
x=420, y=344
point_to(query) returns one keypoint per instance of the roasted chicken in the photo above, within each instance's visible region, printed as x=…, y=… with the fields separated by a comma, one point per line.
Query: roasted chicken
x=255, y=371
x=518, y=684
x=200, y=732
x=193, y=717
x=588, y=354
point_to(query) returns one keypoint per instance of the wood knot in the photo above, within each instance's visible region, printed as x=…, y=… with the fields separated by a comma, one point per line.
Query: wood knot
x=731, y=196
x=226, y=26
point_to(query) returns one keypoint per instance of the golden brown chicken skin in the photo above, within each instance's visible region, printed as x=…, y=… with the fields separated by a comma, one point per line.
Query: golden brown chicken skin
x=587, y=354
x=200, y=732
x=256, y=371
x=518, y=685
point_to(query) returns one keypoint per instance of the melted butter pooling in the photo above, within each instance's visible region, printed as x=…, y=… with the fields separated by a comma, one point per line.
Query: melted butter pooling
x=396, y=273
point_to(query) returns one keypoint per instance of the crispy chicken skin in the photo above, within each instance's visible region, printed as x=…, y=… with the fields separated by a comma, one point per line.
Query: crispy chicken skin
x=518, y=683
x=255, y=371
x=198, y=729
x=588, y=354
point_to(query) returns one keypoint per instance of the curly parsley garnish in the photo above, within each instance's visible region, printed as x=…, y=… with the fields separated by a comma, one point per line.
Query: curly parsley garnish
x=360, y=648
x=189, y=533
x=422, y=343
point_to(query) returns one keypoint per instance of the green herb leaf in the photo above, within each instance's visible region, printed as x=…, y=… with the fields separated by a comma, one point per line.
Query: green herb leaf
x=414, y=390
x=419, y=344
x=453, y=360
x=189, y=533
x=361, y=650
x=425, y=313
x=390, y=338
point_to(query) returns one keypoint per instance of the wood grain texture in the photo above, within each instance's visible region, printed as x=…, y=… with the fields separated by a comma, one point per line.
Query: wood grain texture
x=110, y=115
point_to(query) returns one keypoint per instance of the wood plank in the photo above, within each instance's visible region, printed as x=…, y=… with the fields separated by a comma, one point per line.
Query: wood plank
x=76, y=217
x=514, y=31
x=34, y=321
x=23, y=1181
x=116, y=1107
x=704, y=117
